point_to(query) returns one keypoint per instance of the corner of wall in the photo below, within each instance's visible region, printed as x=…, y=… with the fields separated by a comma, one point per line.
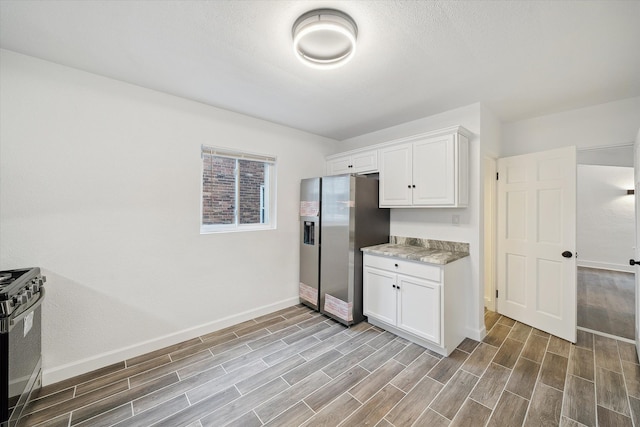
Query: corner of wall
x=477, y=334
x=491, y=131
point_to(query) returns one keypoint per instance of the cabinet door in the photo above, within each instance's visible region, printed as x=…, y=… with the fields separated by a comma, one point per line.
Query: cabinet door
x=419, y=307
x=434, y=171
x=339, y=166
x=379, y=294
x=395, y=176
x=365, y=162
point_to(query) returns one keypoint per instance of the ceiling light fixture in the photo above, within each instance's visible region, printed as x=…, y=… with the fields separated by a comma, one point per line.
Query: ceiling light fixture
x=324, y=38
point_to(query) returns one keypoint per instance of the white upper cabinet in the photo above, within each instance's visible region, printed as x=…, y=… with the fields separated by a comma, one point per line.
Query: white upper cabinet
x=434, y=171
x=355, y=162
x=426, y=171
x=395, y=188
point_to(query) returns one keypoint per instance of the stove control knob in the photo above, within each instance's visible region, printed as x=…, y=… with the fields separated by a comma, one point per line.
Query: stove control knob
x=20, y=299
x=35, y=288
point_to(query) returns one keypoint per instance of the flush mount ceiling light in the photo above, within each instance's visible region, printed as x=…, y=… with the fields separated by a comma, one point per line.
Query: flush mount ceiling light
x=324, y=38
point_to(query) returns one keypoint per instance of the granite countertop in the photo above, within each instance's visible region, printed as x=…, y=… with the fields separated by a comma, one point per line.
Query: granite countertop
x=421, y=250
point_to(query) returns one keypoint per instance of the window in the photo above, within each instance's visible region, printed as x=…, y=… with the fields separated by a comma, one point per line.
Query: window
x=238, y=191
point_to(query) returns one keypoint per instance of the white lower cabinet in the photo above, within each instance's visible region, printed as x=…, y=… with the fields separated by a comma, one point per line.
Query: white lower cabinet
x=421, y=302
x=419, y=307
x=380, y=295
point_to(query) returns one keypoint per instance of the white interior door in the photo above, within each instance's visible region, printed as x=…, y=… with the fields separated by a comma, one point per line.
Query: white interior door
x=636, y=168
x=537, y=240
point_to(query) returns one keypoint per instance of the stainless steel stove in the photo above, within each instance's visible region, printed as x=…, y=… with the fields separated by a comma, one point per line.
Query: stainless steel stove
x=21, y=296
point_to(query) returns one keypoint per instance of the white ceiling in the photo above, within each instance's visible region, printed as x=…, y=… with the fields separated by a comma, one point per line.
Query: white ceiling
x=414, y=58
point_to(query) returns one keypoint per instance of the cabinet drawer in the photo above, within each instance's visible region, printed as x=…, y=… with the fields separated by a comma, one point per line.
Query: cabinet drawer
x=400, y=266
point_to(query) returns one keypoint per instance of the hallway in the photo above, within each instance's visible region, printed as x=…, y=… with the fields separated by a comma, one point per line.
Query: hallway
x=606, y=301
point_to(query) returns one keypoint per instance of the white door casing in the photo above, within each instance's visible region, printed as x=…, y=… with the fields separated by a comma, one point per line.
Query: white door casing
x=636, y=168
x=489, y=227
x=536, y=224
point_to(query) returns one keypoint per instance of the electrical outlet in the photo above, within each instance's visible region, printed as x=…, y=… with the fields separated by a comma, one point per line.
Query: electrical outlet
x=455, y=219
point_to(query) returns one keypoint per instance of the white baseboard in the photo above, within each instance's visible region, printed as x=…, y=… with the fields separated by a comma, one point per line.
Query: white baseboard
x=477, y=334
x=606, y=266
x=413, y=338
x=604, y=334
x=59, y=373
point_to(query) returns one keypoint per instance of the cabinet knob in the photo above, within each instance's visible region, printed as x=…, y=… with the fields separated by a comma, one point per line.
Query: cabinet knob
x=408, y=186
x=397, y=287
x=396, y=265
x=394, y=286
x=413, y=186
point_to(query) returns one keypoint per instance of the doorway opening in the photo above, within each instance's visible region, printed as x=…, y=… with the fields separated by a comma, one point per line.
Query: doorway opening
x=606, y=302
x=605, y=241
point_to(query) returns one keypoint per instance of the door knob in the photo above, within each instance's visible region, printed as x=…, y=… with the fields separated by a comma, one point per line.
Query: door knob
x=567, y=254
x=633, y=262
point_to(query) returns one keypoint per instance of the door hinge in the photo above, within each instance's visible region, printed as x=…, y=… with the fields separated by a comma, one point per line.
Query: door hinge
x=497, y=176
x=496, y=293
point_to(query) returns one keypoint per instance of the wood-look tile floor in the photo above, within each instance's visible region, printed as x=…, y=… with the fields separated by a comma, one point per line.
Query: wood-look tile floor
x=606, y=301
x=296, y=367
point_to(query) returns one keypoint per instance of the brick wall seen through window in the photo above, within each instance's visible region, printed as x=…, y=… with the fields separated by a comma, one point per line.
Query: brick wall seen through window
x=234, y=191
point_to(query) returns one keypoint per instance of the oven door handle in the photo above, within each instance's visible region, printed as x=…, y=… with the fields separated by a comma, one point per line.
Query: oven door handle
x=32, y=307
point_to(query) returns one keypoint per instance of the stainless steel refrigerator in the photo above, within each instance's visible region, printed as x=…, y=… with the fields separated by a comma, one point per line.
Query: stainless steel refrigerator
x=338, y=216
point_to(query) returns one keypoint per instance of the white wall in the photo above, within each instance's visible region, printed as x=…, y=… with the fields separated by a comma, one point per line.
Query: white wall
x=100, y=187
x=491, y=131
x=437, y=223
x=606, y=217
x=613, y=123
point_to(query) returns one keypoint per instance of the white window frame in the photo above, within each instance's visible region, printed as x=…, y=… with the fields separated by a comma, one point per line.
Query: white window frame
x=267, y=199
